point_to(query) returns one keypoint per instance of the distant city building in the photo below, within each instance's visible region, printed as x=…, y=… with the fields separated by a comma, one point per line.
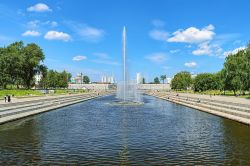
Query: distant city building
x=139, y=78
x=78, y=79
x=108, y=79
x=169, y=80
x=38, y=78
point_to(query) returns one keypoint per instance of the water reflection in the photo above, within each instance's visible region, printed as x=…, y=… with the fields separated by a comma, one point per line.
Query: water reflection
x=97, y=133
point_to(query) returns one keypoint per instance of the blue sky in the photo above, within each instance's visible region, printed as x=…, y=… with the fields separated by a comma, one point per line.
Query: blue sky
x=163, y=36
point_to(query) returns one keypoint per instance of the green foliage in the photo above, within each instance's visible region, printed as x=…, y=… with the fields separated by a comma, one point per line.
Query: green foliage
x=181, y=81
x=65, y=91
x=20, y=92
x=163, y=77
x=53, y=79
x=156, y=80
x=19, y=64
x=143, y=81
x=205, y=81
x=237, y=71
x=86, y=79
x=31, y=58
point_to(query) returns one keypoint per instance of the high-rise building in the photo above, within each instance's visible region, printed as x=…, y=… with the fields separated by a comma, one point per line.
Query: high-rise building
x=139, y=78
x=108, y=79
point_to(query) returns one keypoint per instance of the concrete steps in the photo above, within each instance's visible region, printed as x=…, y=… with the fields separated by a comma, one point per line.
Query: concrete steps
x=12, y=106
x=237, y=112
x=35, y=100
x=24, y=109
x=31, y=107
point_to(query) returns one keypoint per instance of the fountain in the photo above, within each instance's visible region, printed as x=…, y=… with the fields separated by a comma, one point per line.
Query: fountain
x=127, y=92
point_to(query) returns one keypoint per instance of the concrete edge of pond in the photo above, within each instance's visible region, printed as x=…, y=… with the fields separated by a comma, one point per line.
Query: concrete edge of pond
x=22, y=115
x=217, y=112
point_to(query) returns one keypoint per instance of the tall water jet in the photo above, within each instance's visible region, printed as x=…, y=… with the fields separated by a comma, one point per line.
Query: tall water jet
x=125, y=80
x=127, y=89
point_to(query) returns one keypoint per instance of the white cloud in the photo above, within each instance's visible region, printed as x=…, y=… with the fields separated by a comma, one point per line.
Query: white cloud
x=31, y=33
x=190, y=64
x=40, y=7
x=86, y=32
x=33, y=24
x=107, y=62
x=159, y=35
x=174, y=51
x=208, y=49
x=158, y=23
x=90, y=33
x=235, y=51
x=157, y=57
x=165, y=67
x=193, y=35
x=55, y=35
x=104, y=58
x=79, y=58
x=101, y=55
x=188, y=46
x=51, y=23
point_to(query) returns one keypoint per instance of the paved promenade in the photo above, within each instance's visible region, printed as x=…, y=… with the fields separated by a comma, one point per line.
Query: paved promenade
x=34, y=98
x=231, y=99
x=234, y=108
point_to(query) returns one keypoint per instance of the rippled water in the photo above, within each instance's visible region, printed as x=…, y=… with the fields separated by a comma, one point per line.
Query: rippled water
x=98, y=133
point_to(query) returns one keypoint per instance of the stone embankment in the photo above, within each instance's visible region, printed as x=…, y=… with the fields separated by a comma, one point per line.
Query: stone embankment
x=32, y=106
x=237, y=109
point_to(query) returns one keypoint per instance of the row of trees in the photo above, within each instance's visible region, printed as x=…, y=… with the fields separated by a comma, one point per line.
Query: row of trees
x=53, y=79
x=162, y=78
x=20, y=63
x=234, y=76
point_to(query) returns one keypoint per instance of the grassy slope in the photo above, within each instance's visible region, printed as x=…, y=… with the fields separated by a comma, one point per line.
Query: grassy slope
x=26, y=93
x=216, y=92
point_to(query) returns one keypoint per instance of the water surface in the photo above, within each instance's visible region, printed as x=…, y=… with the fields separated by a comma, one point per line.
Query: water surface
x=96, y=132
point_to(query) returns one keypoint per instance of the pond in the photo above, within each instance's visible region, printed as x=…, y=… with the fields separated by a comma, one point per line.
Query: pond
x=98, y=132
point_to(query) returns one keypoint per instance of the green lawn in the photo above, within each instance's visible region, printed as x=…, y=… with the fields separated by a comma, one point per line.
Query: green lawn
x=18, y=93
x=26, y=93
x=214, y=92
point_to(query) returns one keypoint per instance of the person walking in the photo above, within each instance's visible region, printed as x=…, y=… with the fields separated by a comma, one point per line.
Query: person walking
x=5, y=98
x=9, y=99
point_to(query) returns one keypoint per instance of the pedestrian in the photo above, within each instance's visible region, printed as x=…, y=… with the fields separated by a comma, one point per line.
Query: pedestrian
x=5, y=98
x=9, y=99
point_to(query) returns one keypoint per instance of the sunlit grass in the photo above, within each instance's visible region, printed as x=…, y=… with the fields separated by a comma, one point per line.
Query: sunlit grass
x=215, y=92
x=27, y=93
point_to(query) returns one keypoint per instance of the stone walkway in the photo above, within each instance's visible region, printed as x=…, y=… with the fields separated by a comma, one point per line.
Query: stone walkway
x=32, y=98
x=231, y=99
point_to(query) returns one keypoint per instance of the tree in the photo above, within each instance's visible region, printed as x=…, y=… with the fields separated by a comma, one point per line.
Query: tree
x=10, y=64
x=247, y=66
x=163, y=77
x=236, y=69
x=86, y=79
x=63, y=79
x=220, y=80
x=205, y=81
x=181, y=81
x=156, y=80
x=44, y=82
x=143, y=81
x=31, y=58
